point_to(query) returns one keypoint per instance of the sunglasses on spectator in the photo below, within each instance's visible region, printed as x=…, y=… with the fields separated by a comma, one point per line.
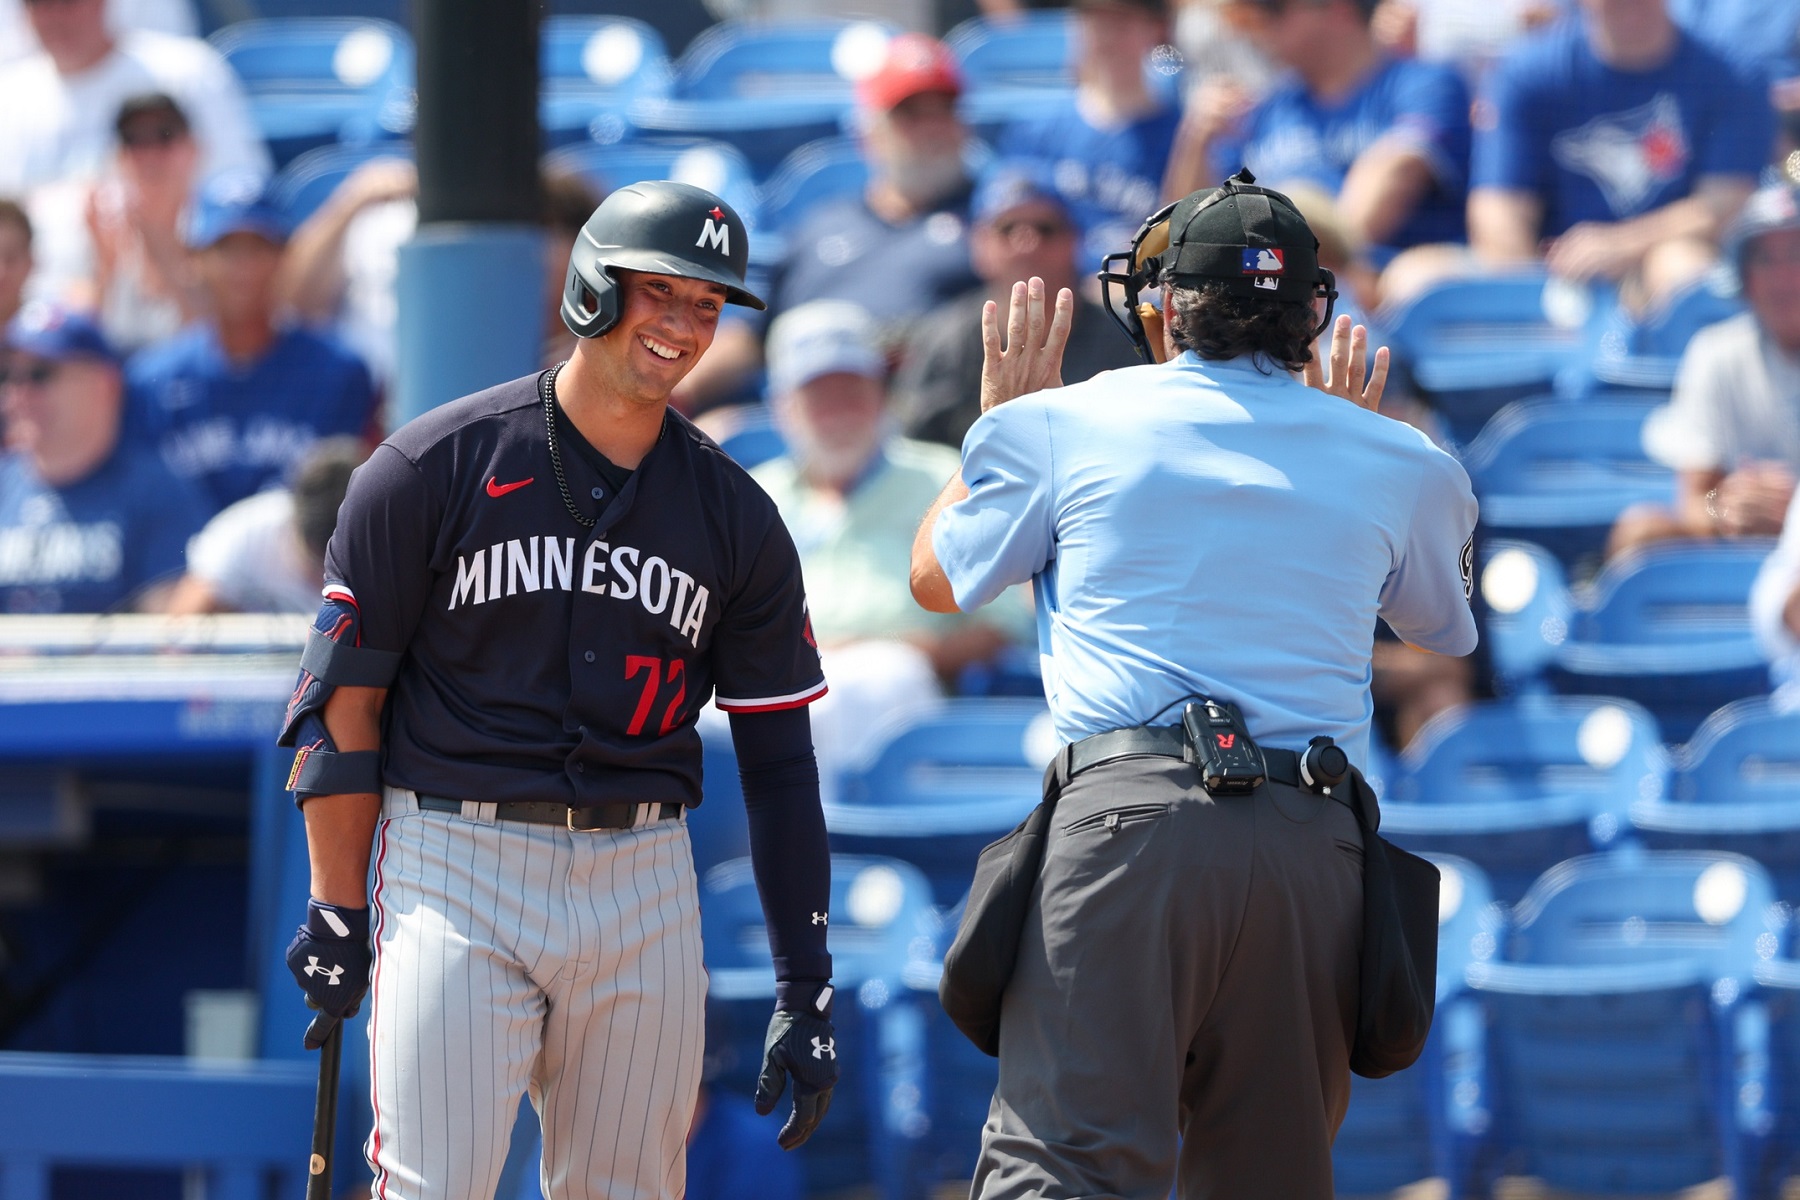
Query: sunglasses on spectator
x=36, y=375
x=134, y=137
x=1044, y=229
x=48, y=3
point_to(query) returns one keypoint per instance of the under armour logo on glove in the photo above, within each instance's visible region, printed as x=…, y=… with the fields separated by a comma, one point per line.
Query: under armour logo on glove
x=331, y=973
x=821, y=918
x=330, y=959
x=801, y=1044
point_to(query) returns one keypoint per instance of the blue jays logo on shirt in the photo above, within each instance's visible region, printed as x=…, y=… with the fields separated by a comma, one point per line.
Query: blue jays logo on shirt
x=1262, y=260
x=1630, y=155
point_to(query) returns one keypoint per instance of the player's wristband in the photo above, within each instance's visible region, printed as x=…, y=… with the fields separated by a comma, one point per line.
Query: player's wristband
x=330, y=921
x=812, y=996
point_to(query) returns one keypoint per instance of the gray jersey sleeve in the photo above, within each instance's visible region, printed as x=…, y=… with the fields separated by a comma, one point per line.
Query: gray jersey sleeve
x=1426, y=598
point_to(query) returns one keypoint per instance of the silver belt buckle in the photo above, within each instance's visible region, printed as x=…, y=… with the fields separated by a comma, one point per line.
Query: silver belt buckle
x=569, y=820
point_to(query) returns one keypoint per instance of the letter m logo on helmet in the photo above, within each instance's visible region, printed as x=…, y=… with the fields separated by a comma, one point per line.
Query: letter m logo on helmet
x=716, y=234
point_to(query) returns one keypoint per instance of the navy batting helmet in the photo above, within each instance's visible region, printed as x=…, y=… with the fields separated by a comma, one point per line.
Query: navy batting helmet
x=662, y=227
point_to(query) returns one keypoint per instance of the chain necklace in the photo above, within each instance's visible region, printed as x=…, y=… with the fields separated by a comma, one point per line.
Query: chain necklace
x=547, y=389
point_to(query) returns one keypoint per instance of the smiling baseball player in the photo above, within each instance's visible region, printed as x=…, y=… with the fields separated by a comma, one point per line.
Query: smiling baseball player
x=531, y=592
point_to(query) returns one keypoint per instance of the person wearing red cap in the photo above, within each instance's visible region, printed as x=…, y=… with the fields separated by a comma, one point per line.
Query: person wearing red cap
x=901, y=247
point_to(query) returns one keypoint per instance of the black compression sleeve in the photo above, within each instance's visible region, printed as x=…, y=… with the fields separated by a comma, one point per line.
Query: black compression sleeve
x=788, y=851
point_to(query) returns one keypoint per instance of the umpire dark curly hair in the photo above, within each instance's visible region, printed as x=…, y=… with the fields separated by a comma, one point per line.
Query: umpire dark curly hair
x=1216, y=324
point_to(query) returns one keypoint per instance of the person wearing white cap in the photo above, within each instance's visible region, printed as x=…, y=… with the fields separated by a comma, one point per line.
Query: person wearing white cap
x=850, y=491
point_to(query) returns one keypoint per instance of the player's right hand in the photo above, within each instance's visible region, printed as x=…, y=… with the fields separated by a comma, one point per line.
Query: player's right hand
x=804, y=1045
x=330, y=958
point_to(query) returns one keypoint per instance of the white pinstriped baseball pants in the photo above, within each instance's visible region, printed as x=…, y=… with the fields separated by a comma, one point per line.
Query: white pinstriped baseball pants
x=514, y=958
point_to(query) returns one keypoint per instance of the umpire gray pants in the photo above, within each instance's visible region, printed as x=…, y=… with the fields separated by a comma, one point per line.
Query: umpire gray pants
x=1185, y=996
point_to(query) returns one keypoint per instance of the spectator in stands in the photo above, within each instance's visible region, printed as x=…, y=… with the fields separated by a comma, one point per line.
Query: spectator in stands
x=1109, y=142
x=1469, y=34
x=1389, y=138
x=1732, y=430
x=850, y=492
x=266, y=553
x=61, y=102
x=1775, y=611
x=901, y=248
x=88, y=522
x=342, y=262
x=15, y=259
x=122, y=16
x=235, y=401
x=1615, y=147
x=1022, y=227
x=142, y=284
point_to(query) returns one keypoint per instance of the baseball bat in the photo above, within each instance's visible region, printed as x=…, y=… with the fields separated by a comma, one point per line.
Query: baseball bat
x=331, y=1045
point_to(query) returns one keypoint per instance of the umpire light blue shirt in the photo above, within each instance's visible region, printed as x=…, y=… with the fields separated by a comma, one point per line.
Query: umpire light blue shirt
x=1209, y=527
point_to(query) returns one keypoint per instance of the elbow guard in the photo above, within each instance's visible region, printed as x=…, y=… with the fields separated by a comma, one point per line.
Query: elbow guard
x=333, y=658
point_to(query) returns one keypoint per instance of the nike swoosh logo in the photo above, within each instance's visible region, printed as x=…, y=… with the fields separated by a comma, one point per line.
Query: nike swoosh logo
x=496, y=489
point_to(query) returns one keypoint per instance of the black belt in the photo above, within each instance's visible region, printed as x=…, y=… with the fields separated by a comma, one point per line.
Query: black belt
x=542, y=812
x=1167, y=741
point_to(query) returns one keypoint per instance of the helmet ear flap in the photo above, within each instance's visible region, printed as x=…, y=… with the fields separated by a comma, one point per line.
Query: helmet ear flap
x=590, y=307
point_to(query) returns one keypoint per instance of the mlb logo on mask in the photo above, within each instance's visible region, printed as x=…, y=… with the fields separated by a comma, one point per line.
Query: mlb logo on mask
x=1263, y=261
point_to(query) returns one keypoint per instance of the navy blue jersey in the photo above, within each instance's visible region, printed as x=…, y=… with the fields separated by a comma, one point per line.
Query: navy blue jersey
x=235, y=429
x=548, y=661
x=90, y=546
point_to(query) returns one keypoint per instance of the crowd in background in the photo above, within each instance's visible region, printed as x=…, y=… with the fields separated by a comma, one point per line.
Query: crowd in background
x=188, y=380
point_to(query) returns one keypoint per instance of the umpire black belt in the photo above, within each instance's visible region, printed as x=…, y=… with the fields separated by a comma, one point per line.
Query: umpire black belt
x=1170, y=741
x=542, y=812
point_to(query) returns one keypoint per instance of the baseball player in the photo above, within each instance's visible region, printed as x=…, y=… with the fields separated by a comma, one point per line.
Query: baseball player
x=530, y=593
x=1211, y=541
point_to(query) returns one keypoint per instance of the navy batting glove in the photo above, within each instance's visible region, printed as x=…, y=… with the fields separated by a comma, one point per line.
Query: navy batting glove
x=802, y=1044
x=330, y=959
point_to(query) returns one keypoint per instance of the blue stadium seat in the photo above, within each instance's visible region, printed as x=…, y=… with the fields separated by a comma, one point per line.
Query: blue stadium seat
x=308, y=181
x=821, y=170
x=236, y=1123
x=1668, y=627
x=1643, y=354
x=714, y=166
x=1516, y=785
x=1736, y=787
x=1474, y=345
x=1559, y=474
x=1622, y=1055
x=944, y=786
x=1528, y=612
x=590, y=66
x=1430, y=1120
x=767, y=88
x=1026, y=50
x=1775, y=1011
x=879, y=1114
x=317, y=80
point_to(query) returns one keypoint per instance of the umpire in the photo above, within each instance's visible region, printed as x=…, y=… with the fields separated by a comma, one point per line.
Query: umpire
x=1206, y=528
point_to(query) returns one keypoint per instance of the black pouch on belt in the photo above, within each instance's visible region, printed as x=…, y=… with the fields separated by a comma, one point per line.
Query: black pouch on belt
x=981, y=958
x=1398, y=987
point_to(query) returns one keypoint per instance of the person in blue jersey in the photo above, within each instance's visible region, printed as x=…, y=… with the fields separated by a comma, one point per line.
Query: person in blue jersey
x=1201, y=532
x=234, y=402
x=1389, y=138
x=1108, y=143
x=87, y=523
x=1616, y=146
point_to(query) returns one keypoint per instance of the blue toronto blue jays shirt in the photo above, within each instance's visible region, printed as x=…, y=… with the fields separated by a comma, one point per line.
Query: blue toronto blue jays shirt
x=1112, y=177
x=1216, y=528
x=236, y=429
x=1600, y=144
x=91, y=545
x=1423, y=106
